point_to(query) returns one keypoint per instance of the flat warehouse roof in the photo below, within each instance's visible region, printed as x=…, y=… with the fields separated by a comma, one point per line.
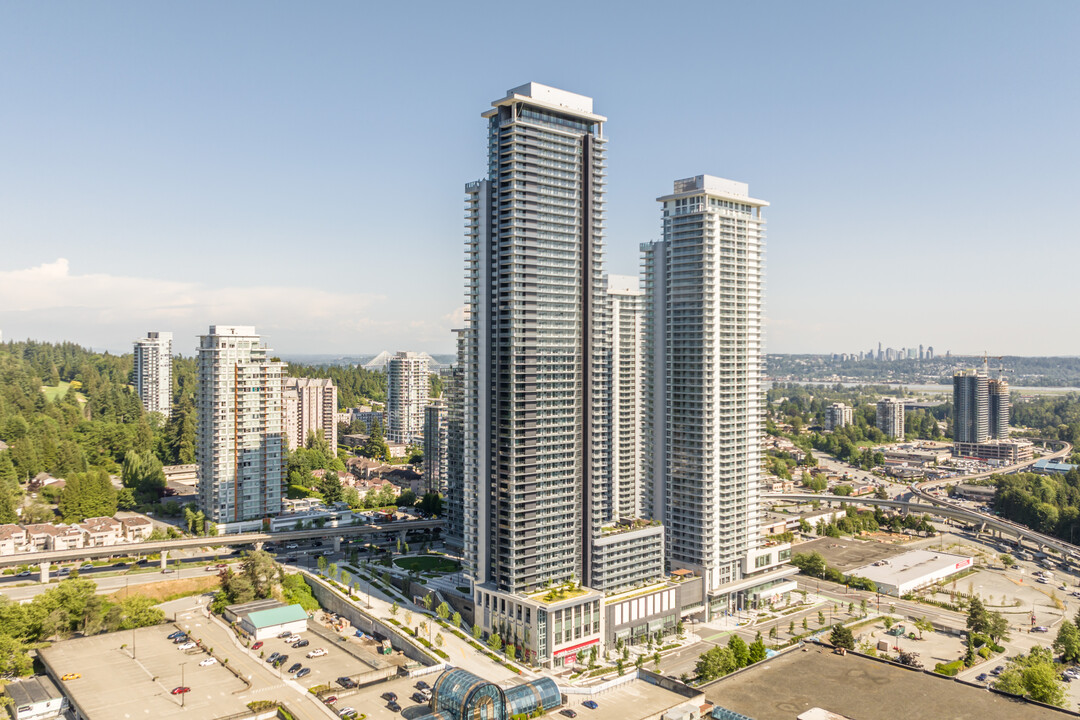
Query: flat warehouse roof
x=784, y=686
x=912, y=566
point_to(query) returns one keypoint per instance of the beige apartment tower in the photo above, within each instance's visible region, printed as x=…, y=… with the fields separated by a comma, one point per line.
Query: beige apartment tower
x=310, y=406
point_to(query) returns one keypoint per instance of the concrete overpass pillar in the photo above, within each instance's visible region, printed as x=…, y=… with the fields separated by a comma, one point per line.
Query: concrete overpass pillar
x=164, y=559
x=259, y=545
x=337, y=543
x=401, y=538
x=45, y=571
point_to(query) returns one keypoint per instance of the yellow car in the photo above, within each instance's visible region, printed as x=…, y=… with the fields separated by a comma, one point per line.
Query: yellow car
x=71, y=676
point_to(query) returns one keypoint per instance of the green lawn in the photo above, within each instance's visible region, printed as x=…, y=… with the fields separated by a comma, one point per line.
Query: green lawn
x=428, y=563
x=51, y=393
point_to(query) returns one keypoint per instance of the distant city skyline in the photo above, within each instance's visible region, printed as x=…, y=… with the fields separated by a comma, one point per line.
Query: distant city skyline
x=300, y=169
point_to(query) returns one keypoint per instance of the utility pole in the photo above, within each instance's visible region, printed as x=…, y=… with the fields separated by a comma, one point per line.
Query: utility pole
x=183, y=695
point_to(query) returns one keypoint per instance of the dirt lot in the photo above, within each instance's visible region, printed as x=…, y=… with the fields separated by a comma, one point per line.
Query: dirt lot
x=171, y=589
x=844, y=554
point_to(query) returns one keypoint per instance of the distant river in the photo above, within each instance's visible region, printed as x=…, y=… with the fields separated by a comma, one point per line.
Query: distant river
x=932, y=389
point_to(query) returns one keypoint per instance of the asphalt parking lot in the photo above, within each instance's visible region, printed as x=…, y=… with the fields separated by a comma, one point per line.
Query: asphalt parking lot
x=114, y=685
x=326, y=669
x=369, y=699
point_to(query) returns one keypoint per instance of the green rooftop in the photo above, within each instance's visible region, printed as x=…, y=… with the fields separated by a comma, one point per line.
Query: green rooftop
x=276, y=616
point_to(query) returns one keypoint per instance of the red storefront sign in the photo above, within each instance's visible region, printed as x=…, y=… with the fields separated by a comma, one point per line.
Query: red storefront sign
x=575, y=648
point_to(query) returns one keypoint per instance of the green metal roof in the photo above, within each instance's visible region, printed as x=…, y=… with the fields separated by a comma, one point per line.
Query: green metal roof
x=277, y=616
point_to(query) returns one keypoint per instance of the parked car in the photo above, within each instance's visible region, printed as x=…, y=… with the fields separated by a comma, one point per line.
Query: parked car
x=303, y=672
x=182, y=637
x=1040, y=629
x=273, y=657
x=317, y=652
x=173, y=636
x=71, y=676
x=295, y=667
x=568, y=713
x=301, y=643
x=421, y=685
x=187, y=646
x=287, y=633
x=591, y=704
x=998, y=670
x=983, y=677
x=389, y=696
x=282, y=659
x=346, y=712
x=346, y=682
x=208, y=662
x=180, y=690
x=393, y=707
x=330, y=700
x=418, y=698
x=257, y=645
x=292, y=639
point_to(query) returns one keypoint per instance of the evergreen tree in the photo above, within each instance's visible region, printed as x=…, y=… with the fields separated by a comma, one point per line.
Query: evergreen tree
x=88, y=494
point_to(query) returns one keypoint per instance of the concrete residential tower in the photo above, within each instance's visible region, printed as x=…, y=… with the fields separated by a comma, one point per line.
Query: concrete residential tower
x=704, y=393
x=626, y=317
x=407, y=391
x=534, y=405
x=153, y=372
x=241, y=434
x=310, y=406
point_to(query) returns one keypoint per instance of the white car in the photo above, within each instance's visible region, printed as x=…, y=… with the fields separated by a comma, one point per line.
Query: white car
x=291, y=546
x=292, y=638
x=207, y=662
x=186, y=646
x=317, y=652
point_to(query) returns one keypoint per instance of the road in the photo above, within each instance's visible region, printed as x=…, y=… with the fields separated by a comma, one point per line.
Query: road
x=149, y=548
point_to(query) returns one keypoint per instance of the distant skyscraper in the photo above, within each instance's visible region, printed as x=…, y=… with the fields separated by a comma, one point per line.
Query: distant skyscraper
x=435, y=446
x=408, y=387
x=626, y=315
x=310, y=406
x=890, y=417
x=838, y=415
x=704, y=393
x=1000, y=407
x=241, y=434
x=153, y=372
x=971, y=407
x=922, y=353
x=930, y=353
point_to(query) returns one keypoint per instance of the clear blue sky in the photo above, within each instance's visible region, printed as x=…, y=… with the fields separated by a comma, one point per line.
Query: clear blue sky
x=300, y=166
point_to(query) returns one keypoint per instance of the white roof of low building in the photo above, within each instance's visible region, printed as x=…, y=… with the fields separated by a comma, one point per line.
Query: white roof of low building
x=911, y=566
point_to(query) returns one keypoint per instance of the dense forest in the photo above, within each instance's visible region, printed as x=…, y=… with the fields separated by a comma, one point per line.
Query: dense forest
x=71, y=412
x=355, y=384
x=1046, y=503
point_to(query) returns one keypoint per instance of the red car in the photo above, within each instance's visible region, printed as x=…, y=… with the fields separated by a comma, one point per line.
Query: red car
x=257, y=645
x=180, y=690
x=330, y=700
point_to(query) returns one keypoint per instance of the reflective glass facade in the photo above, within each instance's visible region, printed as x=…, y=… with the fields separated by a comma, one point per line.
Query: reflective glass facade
x=460, y=695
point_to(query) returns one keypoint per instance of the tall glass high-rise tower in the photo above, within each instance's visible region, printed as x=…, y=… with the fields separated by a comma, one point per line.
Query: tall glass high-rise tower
x=703, y=387
x=534, y=410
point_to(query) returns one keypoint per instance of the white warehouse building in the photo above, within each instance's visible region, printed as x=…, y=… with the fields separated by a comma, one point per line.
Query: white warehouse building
x=913, y=570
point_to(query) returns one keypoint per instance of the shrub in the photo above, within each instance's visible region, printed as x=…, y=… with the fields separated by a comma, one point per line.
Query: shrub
x=949, y=669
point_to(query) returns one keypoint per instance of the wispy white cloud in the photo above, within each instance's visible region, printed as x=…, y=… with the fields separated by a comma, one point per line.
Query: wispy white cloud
x=51, y=300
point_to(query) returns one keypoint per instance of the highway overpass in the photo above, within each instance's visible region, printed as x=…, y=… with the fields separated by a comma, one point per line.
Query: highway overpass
x=940, y=507
x=45, y=558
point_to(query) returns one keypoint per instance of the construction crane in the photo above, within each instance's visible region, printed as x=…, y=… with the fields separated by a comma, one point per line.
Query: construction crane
x=986, y=363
